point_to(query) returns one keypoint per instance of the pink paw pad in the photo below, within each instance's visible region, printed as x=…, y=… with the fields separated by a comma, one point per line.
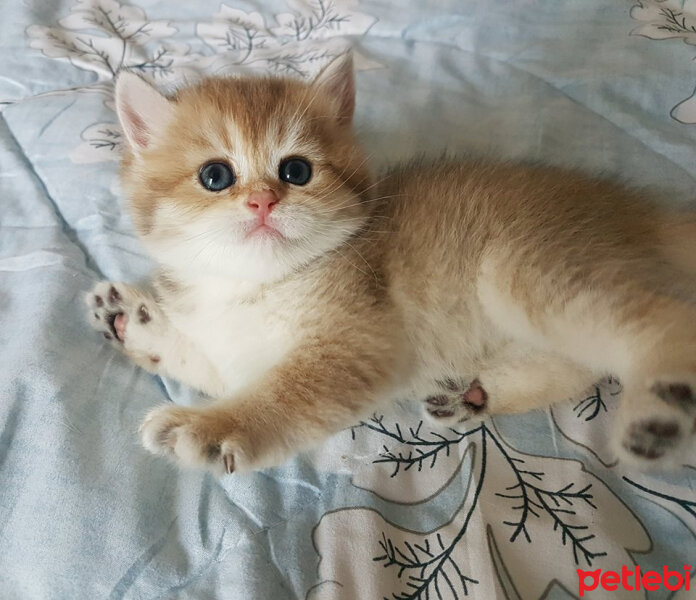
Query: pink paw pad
x=460, y=402
x=120, y=322
x=475, y=395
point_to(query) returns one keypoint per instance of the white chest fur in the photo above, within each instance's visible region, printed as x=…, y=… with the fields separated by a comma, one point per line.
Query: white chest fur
x=241, y=331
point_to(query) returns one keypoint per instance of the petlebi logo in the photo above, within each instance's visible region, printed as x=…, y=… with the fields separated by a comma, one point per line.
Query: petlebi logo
x=634, y=579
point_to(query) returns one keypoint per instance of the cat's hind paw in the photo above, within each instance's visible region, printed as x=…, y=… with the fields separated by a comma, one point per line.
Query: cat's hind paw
x=457, y=403
x=662, y=428
x=652, y=439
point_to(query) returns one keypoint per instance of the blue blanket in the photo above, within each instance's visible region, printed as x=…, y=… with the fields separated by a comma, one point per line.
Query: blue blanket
x=389, y=509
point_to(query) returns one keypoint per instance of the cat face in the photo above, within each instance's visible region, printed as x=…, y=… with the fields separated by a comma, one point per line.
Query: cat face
x=247, y=178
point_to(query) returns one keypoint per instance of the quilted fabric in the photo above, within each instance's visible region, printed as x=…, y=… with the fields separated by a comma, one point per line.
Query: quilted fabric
x=388, y=509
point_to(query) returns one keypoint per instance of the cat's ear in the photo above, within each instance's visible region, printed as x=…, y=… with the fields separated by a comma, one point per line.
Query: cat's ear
x=336, y=80
x=142, y=110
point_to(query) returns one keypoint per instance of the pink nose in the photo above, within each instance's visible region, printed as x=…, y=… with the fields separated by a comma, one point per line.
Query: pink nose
x=262, y=203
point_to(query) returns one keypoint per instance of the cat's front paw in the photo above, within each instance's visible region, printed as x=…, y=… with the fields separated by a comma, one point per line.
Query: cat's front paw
x=195, y=437
x=457, y=403
x=129, y=318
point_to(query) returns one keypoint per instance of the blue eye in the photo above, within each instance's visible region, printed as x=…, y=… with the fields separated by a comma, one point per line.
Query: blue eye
x=295, y=170
x=216, y=176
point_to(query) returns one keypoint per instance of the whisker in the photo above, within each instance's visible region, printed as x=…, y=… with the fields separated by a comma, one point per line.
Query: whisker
x=369, y=266
x=341, y=178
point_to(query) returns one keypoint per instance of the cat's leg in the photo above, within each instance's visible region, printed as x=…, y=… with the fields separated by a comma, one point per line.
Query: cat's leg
x=323, y=386
x=515, y=380
x=132, y=321
x=642, y=332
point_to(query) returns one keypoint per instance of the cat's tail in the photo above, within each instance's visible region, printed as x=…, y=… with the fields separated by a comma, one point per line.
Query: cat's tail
x=677, y=235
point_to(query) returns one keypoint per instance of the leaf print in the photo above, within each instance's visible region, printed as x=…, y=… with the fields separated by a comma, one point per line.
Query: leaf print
x=303, y=41
x=236, y=32
x=105, y=36
x=514, y=503
x=396, y=456
x=685, y=111
x=318, y=19
x=102, y=141
x=677, y=499
x=666, y=19
x=387, y=561
x=586, y=421
x=670, y=19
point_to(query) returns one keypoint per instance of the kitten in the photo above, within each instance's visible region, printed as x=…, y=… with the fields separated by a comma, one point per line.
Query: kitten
x=300, y=294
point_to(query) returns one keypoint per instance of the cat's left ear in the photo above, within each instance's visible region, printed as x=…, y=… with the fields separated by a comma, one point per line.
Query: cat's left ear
x=336, y=80
x=142, y=110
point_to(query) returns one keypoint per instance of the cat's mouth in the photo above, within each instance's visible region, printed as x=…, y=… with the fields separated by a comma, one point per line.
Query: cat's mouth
x=263, y=230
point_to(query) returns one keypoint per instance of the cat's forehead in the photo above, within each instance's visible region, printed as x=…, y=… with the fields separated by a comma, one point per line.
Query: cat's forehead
x=254, y=117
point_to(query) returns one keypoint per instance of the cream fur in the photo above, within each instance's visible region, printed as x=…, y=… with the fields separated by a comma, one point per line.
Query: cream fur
x=533, y=281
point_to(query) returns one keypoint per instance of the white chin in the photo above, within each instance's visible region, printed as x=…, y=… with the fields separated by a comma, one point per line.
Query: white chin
x=262, y=258
x=204, y=248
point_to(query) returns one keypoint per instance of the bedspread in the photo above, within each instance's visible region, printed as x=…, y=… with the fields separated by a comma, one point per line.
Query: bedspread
x=510, y=508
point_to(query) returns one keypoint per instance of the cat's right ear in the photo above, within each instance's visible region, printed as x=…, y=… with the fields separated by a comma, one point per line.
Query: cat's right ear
x=142, y=111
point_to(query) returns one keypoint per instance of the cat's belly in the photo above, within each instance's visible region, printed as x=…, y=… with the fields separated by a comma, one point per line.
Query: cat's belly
x=447, y=348
x=241, y=342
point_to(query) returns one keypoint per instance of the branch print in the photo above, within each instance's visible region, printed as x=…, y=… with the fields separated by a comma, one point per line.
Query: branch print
x=106, y=36
x=517, y=501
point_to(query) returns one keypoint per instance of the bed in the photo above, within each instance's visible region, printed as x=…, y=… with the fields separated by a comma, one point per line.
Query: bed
x=510, y=508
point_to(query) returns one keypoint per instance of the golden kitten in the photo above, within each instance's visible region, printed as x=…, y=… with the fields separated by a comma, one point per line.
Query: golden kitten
x=299, y=294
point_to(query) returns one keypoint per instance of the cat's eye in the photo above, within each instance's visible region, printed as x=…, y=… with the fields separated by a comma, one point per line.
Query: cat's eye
x=295, y=170
x=216, y=176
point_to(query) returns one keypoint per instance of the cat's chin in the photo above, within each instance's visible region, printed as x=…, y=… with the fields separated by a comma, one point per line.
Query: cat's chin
x=258, y=272
x=261, y=257
x=254, y=252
